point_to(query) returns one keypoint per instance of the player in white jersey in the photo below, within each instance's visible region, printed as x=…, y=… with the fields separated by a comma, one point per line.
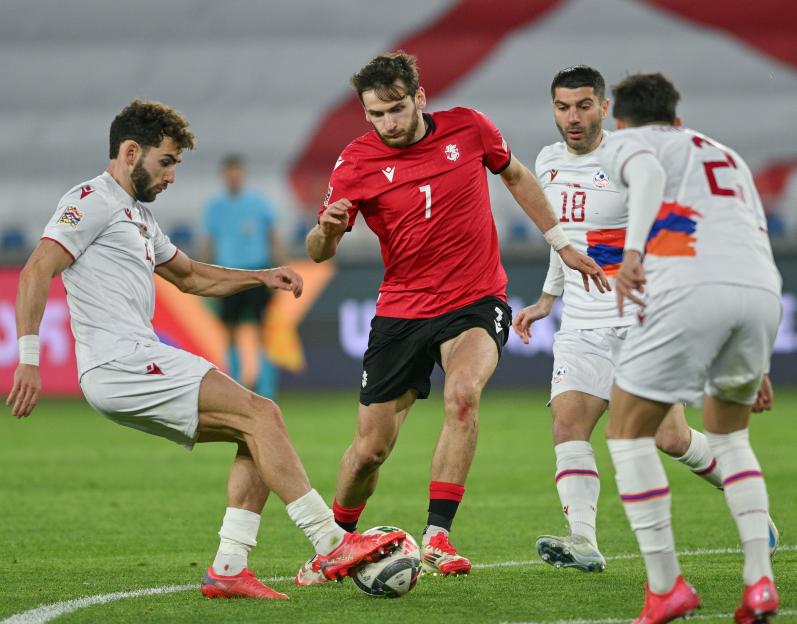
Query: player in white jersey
x=594, y=217
x=711, y=313
x=107, y=245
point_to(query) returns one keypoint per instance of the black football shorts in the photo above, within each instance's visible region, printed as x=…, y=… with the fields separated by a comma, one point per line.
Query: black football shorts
x=402, y=352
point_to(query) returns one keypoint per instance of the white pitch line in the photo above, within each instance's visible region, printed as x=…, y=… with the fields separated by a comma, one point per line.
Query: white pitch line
x=47, y=613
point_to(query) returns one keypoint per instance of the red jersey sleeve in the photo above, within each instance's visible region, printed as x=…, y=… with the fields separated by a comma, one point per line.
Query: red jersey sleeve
x=496, y=151
x=344, y=183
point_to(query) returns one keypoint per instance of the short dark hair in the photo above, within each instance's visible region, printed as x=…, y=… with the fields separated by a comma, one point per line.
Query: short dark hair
x=645, y=98
x=147, y=123
x=232, y=160
x=382, y=72
x=580, y=76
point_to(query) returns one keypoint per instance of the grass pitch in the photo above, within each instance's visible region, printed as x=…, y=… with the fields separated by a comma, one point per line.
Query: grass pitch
x=89, y=508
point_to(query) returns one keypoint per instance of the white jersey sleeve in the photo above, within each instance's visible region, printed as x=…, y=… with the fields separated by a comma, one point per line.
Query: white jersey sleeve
x=555, y=278
x=164, y=248
x=76, y=223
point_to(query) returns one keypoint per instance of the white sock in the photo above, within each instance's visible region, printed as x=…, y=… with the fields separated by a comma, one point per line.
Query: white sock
x=429, y=531
x=578, y=485
x=238, y=536
x=646, y=498
x=312, y=515
x=700, y=460
x=746, y=495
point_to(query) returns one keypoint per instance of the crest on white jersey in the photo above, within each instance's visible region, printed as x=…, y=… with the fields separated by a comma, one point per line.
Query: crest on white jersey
x=600, y=178
x=389, y=172
x=452, y=151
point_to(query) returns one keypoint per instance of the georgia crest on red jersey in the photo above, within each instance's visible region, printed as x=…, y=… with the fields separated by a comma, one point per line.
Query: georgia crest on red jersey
x=429, y=205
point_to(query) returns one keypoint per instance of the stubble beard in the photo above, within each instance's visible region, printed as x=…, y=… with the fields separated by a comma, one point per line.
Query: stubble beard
x=142, y=184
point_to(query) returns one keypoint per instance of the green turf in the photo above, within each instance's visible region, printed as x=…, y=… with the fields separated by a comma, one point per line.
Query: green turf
x=88, y=507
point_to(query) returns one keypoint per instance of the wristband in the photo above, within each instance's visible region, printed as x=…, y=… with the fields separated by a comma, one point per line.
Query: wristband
x=556, y=237
x=29, y=349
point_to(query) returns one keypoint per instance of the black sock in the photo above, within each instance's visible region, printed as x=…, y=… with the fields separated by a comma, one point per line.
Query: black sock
x=349, y=527
x=441, y=513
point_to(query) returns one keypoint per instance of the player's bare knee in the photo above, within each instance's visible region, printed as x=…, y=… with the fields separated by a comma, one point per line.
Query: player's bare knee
x=462, y=401
x=263, y=413
x=673, y=441
x=368, y=457
x=567, y=429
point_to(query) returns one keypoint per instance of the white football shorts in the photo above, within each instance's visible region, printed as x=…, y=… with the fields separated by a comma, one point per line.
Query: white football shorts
x=715, y=339
x=584, y=360
x=154, y=389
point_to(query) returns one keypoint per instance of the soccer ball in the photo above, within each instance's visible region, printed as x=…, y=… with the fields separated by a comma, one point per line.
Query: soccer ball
x=393, y=576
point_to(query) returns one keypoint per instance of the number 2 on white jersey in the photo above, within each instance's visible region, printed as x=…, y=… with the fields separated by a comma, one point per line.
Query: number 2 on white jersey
x=427, y=188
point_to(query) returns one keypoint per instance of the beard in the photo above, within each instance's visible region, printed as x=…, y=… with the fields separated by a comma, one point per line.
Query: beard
x=141, y=180
x=407, y=136
x=589, y=134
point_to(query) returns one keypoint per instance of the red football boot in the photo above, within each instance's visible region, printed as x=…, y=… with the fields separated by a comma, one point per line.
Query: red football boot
x=241, y=585
x=759, y=603
x=356, y=549
x=681, y=600
x=440, y=557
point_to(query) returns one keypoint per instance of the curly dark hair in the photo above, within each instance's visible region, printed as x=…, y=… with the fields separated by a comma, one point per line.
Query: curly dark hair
x=580, y=76
x=645, y=98
x=382, y=72
x=147, y=123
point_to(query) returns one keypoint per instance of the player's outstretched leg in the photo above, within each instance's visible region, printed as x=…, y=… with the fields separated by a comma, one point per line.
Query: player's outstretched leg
x=468, y=360
x=229, y=412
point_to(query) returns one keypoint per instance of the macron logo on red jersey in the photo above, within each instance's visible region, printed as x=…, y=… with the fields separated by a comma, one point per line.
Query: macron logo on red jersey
x=86, y=190
x=389, y=172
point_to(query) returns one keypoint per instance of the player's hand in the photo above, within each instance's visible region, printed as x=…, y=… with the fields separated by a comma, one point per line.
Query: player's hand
x=284, y=278
x=523, y=319
x=630, y=278
x=335, y=219
x=585, y=265
x=25, y=391
x=766, y=395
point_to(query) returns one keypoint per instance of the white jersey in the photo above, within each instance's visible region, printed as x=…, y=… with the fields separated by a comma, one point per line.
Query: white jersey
x=711, y=226
x=592, y=212
x=116, y=244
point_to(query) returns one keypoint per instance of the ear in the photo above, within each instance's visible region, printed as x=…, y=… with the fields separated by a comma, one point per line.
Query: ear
x=129, y=151
x=420, y=98
x=677, y=123
x=604, y=109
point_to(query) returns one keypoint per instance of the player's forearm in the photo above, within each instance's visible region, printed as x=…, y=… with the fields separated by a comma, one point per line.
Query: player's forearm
x=34, y=285
x=529, y=194
x=319, y=246
x=210, y=280
x=546, y=301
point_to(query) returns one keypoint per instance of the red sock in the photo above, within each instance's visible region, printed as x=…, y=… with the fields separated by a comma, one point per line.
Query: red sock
x=347, y=517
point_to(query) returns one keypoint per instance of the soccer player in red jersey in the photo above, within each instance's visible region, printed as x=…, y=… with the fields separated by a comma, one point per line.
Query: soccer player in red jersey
x=419, y=182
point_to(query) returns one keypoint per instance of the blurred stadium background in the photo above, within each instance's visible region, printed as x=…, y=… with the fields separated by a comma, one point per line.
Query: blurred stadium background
x=270, y=80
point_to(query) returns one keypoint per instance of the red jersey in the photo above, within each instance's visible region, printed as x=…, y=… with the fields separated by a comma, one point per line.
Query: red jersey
x=429, y=205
